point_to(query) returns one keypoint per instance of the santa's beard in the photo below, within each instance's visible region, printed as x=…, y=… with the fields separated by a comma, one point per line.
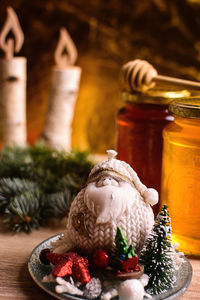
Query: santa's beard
x=108, y=202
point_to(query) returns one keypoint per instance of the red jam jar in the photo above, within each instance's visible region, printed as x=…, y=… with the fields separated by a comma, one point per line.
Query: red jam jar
x=139, y=132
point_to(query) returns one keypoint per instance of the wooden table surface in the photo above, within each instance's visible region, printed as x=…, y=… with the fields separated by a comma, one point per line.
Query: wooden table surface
x=15, y=281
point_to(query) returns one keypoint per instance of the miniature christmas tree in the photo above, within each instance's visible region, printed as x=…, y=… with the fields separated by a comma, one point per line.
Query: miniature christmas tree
x=157, y=254
x=123, y=251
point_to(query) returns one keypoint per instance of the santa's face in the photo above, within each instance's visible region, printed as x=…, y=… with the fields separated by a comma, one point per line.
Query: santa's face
x=109, y=197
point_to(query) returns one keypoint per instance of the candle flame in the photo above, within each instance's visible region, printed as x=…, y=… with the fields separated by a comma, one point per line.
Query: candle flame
x=65, y=43
x=9, y=46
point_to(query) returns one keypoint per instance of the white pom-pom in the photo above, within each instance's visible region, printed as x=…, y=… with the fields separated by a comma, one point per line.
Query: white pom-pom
x=150, y=196
x=131, y=289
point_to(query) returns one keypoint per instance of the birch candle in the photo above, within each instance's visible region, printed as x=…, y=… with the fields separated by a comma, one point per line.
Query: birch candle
x=63, y=95
x=12, y=84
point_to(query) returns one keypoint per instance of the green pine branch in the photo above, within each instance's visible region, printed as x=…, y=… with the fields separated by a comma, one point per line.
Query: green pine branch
x=10, y=188
x=24, y=211
x=37, y=183
x=57, y=205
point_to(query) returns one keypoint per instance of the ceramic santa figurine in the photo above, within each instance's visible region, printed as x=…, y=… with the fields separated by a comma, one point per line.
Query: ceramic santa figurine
x=113, y=197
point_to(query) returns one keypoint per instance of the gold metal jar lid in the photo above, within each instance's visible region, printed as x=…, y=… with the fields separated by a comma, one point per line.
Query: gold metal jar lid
x=157, y=95
x=187, y=108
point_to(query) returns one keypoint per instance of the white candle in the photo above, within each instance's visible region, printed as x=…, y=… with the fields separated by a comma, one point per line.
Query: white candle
x=63, y=95
x=12, y=84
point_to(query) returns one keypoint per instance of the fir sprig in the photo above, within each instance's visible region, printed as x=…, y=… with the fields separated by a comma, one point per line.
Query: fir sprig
x=23, y=213
x=37, y=183
x=10, y=188
x=57, y=205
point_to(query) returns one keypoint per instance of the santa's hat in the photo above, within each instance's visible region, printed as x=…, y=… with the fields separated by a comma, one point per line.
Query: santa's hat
x=123, y=170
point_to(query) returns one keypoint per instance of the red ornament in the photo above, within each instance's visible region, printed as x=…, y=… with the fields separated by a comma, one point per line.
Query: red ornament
x=70, y=264
x=129, y=264
x=101, y=258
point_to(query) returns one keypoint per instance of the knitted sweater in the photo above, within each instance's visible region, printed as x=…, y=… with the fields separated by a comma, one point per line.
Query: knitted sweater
x=136, y=224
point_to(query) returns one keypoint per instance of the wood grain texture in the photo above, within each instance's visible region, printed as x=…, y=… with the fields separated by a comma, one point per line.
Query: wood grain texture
x=15, y=281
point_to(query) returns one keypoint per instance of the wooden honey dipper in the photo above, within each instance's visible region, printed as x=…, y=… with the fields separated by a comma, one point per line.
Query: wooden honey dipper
x=140, y=75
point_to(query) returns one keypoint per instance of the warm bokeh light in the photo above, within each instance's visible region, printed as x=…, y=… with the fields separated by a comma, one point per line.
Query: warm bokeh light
x=107, y=34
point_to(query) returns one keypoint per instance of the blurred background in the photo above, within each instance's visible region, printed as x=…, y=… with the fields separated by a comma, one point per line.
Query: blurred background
x=107, y=34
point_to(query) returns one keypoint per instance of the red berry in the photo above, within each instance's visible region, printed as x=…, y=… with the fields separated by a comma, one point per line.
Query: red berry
x=43, y=256
x=101, y=258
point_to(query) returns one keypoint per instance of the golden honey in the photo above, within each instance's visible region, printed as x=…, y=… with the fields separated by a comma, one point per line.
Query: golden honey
x=140, y=123
x=181, y=174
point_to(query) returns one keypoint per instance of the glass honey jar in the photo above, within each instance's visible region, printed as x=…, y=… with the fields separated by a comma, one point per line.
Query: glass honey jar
x=139, y=132
x=181, y=173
